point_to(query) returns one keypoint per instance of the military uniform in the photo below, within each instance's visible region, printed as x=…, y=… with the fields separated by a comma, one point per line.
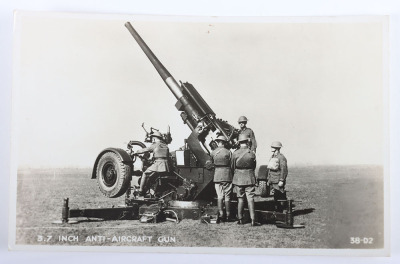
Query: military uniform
x=221, y=158
x=249, y=132
x=160, y=154
x=275, y=176
x=243, y=165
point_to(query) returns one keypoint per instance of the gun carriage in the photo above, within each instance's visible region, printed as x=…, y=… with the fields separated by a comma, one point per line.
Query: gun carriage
x=186, y=190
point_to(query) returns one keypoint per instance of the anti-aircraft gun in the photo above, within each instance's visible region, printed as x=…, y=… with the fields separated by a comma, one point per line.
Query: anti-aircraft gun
x=192, y=172
x=186, y=191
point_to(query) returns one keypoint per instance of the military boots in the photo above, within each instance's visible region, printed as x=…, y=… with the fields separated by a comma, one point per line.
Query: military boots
x=228, y=217
x=252, y=212
x=240, y=211
x=220, y=211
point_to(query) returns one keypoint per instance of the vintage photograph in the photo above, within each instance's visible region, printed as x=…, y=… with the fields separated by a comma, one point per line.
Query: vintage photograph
x=200, y=134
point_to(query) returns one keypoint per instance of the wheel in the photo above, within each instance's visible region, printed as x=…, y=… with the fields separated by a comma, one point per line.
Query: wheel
x=263, y=188
x=113, y=176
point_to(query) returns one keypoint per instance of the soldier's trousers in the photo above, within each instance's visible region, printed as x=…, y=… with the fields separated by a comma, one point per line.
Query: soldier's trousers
x=279, y=195
x=247, y=191
x=223, y=190
x=145, y=178
x=241, y=192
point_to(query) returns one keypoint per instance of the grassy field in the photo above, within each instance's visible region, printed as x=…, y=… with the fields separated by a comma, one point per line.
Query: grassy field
x=338, y=203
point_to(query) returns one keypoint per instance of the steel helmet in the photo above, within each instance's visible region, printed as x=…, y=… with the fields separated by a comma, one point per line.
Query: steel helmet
x=243, y=137
x=276, y=144
x=221, y=138
x=242, y=119
x=156, y=134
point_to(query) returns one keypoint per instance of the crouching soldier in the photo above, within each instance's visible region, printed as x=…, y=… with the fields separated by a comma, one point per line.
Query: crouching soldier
x=221, y=158
x=277, y=173
x=243, y=165
x=160, y=154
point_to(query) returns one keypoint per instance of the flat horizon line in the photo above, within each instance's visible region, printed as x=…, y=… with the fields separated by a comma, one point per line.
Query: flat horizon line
x=291, y=166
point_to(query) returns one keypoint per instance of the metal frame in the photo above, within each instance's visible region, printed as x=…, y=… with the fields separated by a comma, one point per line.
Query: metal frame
x=154, y=211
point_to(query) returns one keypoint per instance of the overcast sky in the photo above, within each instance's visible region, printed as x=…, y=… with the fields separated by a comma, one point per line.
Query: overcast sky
x=83, y=84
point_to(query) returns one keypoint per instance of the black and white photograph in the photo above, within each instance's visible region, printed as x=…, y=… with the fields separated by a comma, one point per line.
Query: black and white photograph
x=233, y=135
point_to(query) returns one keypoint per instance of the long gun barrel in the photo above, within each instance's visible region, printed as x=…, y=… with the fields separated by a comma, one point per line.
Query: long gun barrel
x=165, y=75
x=192, y=106
x=194, y=109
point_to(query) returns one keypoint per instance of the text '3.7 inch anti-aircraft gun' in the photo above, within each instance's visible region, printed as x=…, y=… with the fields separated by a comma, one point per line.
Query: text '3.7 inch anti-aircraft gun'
x=186, y=190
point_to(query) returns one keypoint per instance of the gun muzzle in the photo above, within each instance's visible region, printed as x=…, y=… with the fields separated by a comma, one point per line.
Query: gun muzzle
x=165, y=75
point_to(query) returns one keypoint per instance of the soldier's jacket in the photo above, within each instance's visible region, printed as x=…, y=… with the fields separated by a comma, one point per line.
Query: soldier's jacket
x=221, y=158
x=160, y=154
x=243, y=164
x=274, y=176
x=250, y=133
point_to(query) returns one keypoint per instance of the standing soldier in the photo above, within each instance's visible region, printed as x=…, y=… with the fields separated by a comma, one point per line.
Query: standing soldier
x=221, y=158
x=247, y=131
x=243, y=165
x=160, y=154
x=277, y=173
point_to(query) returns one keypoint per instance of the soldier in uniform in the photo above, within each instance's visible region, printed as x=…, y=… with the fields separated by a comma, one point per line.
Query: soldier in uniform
x=244, y=130
x=160, y=154
x=221, y=158
x=243, y=164
x=277, y=173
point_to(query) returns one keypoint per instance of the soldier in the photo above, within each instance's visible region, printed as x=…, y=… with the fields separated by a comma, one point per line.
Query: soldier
x=160, y=154
x=247, y=131
x=221, y=158
x=243, y=165
x=277, y=173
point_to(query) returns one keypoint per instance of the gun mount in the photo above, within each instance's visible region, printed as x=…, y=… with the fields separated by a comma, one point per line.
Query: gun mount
x=187, y=188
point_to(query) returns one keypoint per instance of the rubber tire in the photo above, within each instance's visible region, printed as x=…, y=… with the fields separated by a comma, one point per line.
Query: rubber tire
x=263, y=188
x=120, y=182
